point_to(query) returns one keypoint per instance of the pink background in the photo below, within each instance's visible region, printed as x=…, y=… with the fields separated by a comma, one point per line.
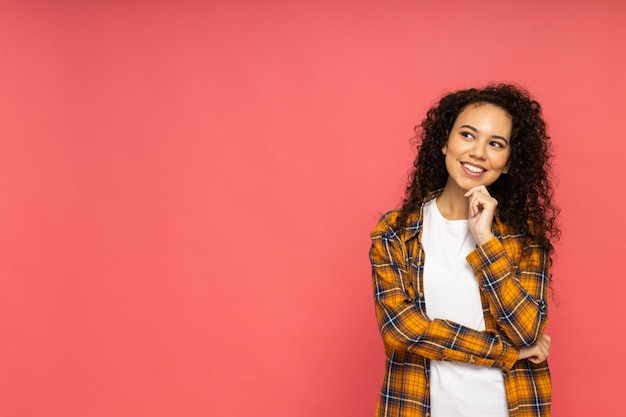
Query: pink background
x=187, y=190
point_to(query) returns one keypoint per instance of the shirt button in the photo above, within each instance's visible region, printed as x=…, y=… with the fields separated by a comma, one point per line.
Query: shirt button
x=421, y=294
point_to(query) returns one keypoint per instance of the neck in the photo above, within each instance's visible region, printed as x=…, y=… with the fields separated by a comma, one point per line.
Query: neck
x=452, y=204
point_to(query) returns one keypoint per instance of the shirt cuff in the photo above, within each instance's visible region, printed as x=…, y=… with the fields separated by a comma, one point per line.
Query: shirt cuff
x=509, y=357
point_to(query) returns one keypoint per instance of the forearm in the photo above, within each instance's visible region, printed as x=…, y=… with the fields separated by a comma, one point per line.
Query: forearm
x=407, y=328
x=516, y=292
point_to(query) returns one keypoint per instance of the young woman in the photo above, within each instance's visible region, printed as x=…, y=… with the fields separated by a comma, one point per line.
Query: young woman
x=461, y=271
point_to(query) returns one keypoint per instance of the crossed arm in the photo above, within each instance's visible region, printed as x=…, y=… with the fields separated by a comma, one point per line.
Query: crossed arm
x=515, y=294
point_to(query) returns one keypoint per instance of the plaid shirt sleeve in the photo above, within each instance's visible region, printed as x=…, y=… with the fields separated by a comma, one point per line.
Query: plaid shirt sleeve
x=405, y=326
x=516, y=289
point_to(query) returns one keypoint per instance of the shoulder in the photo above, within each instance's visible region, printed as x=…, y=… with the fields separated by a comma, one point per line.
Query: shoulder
x=505, y=230
x=515, y=241
x=390, y=225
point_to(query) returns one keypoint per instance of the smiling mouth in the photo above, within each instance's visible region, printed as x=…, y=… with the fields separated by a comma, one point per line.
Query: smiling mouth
x=473, y=168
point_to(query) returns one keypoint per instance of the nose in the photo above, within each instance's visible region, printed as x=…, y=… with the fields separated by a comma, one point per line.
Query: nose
x=478, y=151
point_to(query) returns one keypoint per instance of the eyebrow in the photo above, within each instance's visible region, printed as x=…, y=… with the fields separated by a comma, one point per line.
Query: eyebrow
x=472, y=128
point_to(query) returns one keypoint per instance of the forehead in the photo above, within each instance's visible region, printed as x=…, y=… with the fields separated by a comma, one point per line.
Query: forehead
x=485, y=114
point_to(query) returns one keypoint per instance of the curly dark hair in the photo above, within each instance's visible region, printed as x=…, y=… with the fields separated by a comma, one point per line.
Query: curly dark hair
x=525, y=194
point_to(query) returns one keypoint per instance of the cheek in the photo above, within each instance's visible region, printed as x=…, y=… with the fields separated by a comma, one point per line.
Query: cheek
x=500, y=160
x=507, y=161
x=449, y=162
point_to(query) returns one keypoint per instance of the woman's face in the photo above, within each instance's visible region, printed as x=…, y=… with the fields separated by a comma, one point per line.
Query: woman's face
x=478, y=146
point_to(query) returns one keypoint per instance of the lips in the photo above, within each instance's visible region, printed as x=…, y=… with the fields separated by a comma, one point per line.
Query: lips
x=473, y=168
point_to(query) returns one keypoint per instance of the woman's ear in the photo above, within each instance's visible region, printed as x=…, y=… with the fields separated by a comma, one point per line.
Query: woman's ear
x=444, y=150
x=506, y=167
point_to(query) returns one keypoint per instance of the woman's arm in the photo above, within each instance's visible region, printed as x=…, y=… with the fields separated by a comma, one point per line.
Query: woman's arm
x=517, y=294
x=404, y=326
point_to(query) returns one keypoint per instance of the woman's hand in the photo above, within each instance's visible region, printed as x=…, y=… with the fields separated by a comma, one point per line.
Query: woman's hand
x=482, y=208
x=538, y=352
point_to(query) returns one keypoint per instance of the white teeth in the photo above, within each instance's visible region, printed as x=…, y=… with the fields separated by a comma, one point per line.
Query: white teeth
x=474, y=169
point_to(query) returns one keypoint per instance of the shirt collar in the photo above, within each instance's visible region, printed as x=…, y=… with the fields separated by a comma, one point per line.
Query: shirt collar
x=416, y=219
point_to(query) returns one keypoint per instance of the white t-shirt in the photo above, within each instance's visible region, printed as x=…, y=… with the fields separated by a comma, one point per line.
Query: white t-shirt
x=451, y=292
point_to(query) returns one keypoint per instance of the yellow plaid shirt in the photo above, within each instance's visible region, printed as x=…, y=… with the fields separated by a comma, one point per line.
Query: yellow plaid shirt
x=513, y=281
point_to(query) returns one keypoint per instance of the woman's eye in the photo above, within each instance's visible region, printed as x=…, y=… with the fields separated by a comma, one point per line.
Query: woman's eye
x=497, y=144
x=467, y=135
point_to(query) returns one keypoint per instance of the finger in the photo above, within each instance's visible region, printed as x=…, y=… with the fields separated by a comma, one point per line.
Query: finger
x=479, y=189
x=472, y=191
x=540, y=357
x=482, y=196
x=473, y=209
x=479, y=202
